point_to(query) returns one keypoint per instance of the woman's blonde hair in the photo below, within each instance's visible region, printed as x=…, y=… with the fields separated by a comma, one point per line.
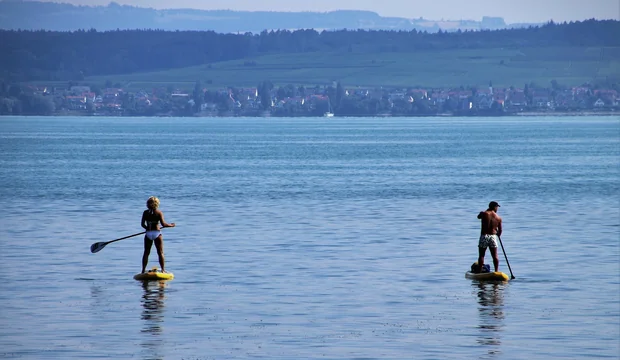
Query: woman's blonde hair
x=152, y=203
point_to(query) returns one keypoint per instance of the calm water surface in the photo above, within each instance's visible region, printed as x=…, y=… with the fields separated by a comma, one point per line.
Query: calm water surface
x=310, y=238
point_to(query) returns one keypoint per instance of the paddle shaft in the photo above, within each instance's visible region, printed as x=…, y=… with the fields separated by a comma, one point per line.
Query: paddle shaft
x=126, y=237
x=506, y=257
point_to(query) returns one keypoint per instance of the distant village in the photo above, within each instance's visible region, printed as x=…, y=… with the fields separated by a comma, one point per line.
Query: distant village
x=329, y=101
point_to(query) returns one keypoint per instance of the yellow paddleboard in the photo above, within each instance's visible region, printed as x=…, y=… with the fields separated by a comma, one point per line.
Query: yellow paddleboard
x=154, y=274
x=489, y=276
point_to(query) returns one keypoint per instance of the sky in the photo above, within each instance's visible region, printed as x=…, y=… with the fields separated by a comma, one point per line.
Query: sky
x=513, y=11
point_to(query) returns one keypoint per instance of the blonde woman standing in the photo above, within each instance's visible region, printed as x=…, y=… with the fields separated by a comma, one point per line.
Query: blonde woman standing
x=152, y=217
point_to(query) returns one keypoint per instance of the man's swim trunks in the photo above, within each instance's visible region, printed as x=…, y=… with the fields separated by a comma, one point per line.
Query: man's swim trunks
x=487, y=240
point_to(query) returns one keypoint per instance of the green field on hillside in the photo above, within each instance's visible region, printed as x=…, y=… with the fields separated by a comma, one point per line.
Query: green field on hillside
x=569, y=66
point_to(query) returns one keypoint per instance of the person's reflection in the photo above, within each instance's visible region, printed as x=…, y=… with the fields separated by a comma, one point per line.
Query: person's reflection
x=153, y=304
x=153, y=316
x=491, y=301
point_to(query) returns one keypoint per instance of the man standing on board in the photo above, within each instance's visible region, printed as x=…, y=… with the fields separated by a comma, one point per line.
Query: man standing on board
x=490, y=230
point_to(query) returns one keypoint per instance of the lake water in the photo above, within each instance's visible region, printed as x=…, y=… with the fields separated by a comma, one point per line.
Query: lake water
x=310, y=238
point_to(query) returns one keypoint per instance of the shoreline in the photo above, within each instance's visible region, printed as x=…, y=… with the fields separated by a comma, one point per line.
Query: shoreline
x=568, y=113
x=443, y=115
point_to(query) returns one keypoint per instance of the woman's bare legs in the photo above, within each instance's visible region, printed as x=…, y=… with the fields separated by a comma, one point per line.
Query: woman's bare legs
x=159, y=245
x=147, y=250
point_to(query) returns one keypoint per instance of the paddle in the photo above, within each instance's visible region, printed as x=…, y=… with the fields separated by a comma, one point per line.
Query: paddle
x=96, y=247
x=512, y=277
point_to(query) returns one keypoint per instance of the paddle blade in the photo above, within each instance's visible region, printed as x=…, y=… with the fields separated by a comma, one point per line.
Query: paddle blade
x=96, y=247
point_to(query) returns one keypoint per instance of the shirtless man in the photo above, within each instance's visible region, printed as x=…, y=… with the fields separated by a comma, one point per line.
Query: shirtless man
x=152, y=218
x=490, y=231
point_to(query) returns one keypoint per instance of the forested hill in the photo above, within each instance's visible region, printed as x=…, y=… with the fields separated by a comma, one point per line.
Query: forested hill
x=46, y=55
x=38, y=15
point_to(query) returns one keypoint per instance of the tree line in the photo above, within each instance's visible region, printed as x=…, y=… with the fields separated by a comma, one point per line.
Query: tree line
x=51, y=55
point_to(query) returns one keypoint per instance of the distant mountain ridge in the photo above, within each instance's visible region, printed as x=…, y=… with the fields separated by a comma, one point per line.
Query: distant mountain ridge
x=36, y=15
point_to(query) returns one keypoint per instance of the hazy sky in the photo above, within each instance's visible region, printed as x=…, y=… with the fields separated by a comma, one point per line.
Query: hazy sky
x=512, y=11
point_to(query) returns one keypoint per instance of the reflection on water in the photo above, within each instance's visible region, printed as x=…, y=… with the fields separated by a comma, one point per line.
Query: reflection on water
x=100, y=302
x=153, y=304
x=491, y=301
x=153, y=316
